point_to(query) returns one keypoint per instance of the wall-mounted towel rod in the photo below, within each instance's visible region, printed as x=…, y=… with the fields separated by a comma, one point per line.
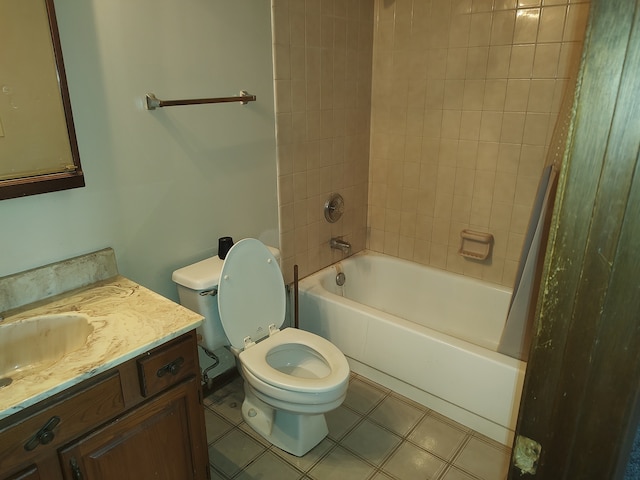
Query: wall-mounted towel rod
x=152, y=102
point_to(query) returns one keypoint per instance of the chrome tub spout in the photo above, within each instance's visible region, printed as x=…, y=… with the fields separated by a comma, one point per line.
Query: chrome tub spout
x=339, y=244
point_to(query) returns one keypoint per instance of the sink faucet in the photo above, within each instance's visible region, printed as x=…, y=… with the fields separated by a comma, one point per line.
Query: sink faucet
x=339, y=244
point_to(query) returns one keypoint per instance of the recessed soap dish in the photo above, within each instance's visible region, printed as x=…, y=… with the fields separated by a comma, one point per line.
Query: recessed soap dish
x=475, y=245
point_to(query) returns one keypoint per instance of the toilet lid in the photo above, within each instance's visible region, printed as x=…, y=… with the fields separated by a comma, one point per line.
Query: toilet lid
x=251, y=292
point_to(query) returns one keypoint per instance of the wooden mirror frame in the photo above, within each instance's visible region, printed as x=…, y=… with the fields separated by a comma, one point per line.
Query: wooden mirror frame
x=20, y=187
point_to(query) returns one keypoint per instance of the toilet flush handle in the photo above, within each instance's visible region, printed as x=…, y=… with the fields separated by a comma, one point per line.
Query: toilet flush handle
x=213, y=292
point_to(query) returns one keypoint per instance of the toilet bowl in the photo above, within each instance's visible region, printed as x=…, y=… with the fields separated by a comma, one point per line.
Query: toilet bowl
x=294, y=370
x=291, y=377
x=289, y=385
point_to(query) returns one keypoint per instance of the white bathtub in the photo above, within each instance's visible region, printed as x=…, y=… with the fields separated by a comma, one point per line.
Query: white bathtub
x=425, y=333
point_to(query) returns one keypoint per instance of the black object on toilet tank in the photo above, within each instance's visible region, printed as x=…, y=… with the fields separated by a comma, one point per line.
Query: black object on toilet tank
x=224, y=245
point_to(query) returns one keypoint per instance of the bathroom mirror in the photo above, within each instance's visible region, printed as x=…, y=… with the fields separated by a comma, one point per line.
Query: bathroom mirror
x=38, y=148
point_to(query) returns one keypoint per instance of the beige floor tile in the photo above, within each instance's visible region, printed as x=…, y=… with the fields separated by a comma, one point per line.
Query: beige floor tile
x=228, y=402
x=438, y=437
x=381, y=476
x=411, y=402
x=371, y=442
x=340, y=421
x=484, y=460
x=269, y=467
x=409, y=462
x=396, y=415
x=375, y=385
x=255, y=435
x=341, y=464
x=215, y=425
x=362, y=396
x=306, y=462
x=215, y=475
x=490, y=441
x=454, y=474
x=453, y=423
x=232, y=452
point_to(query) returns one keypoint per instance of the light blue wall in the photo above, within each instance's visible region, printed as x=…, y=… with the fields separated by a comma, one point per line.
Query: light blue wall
x=162, y=186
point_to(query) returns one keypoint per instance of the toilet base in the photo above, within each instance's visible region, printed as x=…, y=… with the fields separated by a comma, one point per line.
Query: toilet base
x=292, y=432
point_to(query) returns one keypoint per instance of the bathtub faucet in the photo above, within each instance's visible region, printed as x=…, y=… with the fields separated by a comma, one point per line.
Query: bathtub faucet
x=339, y=244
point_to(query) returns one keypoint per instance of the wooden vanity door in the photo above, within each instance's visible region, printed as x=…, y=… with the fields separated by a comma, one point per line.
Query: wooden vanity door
x=30, y=473
x=150, y=442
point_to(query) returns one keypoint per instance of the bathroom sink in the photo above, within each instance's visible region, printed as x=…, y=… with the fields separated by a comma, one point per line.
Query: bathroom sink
x=38, y=342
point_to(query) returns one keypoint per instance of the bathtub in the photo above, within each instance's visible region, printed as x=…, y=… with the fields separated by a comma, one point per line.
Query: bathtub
x=425, y=333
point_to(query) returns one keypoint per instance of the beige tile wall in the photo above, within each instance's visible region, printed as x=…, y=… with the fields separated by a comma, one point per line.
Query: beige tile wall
x=465, y=96
x=322, y=59
x=448, y=129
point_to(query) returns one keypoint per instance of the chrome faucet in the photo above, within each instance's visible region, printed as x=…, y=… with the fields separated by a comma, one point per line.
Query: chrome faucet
x=339, y=244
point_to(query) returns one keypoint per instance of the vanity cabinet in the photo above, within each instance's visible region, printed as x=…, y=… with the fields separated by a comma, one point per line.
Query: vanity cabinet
x=142, y=419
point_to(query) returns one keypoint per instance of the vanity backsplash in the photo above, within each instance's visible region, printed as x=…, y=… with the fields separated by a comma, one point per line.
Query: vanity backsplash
x=40, y=283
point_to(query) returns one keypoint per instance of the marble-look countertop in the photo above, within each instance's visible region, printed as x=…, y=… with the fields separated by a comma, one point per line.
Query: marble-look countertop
x=127, y=320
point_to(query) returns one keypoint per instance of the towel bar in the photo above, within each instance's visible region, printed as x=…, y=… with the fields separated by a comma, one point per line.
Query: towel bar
x=153, y=102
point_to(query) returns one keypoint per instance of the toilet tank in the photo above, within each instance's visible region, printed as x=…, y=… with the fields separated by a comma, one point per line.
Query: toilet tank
x=197, y=290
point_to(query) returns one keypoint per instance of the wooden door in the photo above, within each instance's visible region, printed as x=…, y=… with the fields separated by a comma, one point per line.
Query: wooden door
x=583, y=374
x=153, y=441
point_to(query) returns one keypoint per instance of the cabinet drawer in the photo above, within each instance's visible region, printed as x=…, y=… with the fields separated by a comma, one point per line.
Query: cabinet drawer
x=166, y=366
x=67, y=417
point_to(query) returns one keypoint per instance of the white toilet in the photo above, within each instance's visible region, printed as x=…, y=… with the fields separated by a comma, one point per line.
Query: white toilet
x=291, y=377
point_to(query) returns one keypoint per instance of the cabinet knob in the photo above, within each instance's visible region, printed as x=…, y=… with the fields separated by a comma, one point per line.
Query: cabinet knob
x=44, y=435
x=172, y=367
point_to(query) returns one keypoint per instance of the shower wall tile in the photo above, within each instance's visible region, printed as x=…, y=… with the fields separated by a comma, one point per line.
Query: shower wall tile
x=552, y=21
x=526, y=28
x=465, y=95
x=322, y=80
x=529, y=3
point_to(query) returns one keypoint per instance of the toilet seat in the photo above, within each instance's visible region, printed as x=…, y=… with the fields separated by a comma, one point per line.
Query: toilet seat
x=292, y=401
x=251, y=303
x=254, y=359
x=251, y=294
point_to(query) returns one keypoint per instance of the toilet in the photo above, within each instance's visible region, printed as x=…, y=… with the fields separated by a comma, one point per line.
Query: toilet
x=291, y=377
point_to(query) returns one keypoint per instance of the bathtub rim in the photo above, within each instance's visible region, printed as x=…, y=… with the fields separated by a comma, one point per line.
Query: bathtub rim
x=440, y=271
